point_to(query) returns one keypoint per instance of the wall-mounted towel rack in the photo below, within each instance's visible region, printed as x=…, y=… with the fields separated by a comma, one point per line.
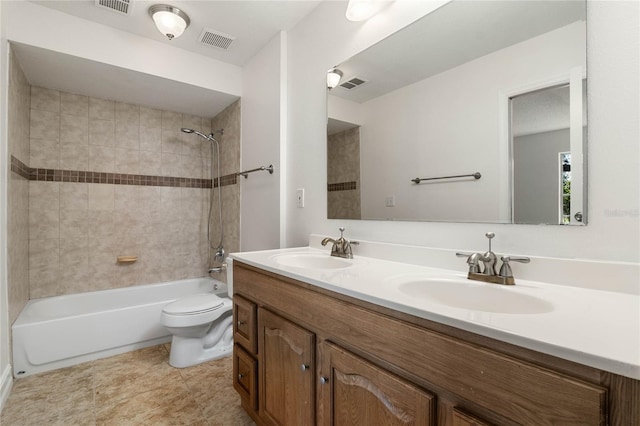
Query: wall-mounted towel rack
x=268, y=168
x=475, y=175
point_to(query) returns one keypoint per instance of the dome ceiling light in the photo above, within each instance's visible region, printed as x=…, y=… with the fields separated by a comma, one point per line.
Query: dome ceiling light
x=169, y=20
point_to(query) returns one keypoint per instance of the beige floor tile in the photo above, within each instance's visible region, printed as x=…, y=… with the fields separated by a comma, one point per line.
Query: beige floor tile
x=130, y=374
x=133, y=389
x=167, y=405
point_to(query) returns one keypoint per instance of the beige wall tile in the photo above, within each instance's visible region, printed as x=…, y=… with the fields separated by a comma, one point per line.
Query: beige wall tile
x=74, y=129
x=43, y=282
x=44, y=224
x=102, y=132
x=171, y=164
x=45, y=99
x=74, y=196
x=44, y=196
x=44, y=125
x=101, y=224
x=151, y=139
x=44, y=154
x=71, y=103
x=102, y=158
x=74, y=157
x=74, y=224
x=127, y=161
x=101, y=197
x=18, y=143
x=171, y=120
x=126, y=198
x=150, y=163
x=74, y=266
x=43, y=253
x=171, y=142
x=150, y=117
x=127, y=135
x=127, y=114
x=102, y=108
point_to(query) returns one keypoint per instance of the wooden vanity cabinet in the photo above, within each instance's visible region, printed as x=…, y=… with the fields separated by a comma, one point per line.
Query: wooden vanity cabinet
x=329, y=359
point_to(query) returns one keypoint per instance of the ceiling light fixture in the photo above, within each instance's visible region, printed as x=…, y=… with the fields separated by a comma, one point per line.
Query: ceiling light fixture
x=169, y=20
x=333, y=77
x=361, y=10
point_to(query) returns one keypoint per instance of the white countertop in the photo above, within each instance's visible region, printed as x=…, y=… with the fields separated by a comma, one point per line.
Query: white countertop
x=594, y=327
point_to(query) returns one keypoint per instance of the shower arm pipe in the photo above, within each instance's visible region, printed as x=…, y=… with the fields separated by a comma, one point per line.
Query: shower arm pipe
x=268, y=168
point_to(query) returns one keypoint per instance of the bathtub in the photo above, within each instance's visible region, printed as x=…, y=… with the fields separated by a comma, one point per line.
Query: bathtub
x=61, y=331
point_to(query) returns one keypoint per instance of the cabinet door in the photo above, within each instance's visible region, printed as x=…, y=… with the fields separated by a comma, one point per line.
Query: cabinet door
x=353, y=391
x=287, y=355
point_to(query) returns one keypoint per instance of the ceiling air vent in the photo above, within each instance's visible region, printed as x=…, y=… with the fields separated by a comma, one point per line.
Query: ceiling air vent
x=122, y=7
x=216, y=38
x=352, y=83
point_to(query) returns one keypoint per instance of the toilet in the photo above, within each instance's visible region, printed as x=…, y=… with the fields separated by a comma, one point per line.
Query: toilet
x=202, y=328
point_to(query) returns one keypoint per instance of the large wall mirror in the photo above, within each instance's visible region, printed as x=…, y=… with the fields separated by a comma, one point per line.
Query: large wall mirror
x=474, y=113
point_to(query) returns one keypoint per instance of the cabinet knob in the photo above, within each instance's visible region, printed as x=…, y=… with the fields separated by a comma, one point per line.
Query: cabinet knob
x=241, y=323
x=240, y=376
x=324, y=380
x=304, y=367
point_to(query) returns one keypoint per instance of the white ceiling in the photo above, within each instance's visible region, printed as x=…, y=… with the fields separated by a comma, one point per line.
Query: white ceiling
x=253, y=23
x=458, y=32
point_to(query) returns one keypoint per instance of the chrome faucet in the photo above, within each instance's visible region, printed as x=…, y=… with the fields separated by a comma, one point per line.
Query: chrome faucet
x=489, y=259
x=341, y=247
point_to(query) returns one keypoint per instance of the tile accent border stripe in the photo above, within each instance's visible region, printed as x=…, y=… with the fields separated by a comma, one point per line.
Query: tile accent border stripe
x=342, y=186
x=55, y=175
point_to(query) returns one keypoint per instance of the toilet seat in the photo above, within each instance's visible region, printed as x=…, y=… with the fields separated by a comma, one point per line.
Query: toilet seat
x=194, y=310
x=193, y=304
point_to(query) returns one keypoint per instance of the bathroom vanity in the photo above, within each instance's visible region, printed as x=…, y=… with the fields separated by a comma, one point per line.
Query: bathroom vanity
x=308, y=352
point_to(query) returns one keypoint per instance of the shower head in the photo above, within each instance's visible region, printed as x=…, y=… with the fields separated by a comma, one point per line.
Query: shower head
x=210, y=137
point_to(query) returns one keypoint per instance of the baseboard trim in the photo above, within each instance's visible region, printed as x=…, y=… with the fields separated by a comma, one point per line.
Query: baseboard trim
x=6, y=381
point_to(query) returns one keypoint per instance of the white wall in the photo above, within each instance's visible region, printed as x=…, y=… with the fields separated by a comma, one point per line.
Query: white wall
x=261, y=139
x=46, y=28
x=447, y=125
x=5, y=356
x=613, y=231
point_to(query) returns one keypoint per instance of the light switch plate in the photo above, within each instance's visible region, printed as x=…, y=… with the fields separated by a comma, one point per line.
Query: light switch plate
x=300, y=197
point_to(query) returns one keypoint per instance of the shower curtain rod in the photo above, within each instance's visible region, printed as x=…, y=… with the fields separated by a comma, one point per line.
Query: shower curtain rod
x=268, y=168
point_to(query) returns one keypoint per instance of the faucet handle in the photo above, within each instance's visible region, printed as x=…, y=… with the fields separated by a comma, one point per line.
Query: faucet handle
x=341, y=229
x=505, y=269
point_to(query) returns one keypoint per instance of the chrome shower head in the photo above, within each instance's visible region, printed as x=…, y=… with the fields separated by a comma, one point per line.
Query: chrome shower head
x=187, y=130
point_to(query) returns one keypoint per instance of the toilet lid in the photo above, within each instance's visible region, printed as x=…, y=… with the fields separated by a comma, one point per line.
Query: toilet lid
x=194, y=304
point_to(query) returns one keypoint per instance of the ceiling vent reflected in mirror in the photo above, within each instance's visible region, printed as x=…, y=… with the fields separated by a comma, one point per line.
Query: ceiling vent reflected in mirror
x=122, y=7
x=216, y=39
x=353, y=83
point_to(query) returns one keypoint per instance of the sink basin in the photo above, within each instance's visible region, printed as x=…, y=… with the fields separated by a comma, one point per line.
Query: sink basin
x=475, y=297
x=311, y=261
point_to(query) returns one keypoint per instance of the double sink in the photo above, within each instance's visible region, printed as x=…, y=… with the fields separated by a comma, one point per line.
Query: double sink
x=454, y=291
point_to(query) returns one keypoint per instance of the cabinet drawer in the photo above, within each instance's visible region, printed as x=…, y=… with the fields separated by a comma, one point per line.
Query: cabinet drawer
x=244, y=324
x=245, y=375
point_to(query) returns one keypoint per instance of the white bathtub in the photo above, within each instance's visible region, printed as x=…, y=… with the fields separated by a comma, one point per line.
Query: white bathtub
x=61, y=331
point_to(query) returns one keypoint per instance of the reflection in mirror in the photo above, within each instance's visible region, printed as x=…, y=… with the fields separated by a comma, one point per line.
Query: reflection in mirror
x=437, y=99
x=542, y=156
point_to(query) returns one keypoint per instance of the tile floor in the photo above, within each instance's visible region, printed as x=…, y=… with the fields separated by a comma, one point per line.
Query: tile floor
x=135, y=388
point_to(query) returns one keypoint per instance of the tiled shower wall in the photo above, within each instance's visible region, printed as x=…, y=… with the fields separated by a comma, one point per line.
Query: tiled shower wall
x=77, y=229
x=18, y=190
x=343, y=175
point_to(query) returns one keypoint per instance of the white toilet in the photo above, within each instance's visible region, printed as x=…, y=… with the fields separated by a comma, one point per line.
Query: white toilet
x=202, y=328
